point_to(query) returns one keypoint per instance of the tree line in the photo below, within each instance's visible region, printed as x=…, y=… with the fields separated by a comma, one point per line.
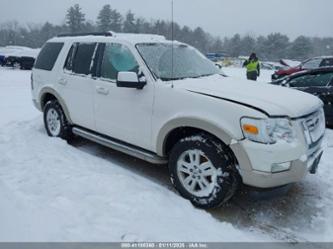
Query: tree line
x=271, y=47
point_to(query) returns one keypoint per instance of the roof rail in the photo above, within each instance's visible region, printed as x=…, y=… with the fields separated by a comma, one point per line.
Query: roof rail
x=85, y=34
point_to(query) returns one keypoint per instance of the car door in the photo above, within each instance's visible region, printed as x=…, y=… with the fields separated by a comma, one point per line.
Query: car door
x=122, y=113
x=319, y=84
x=78, y=87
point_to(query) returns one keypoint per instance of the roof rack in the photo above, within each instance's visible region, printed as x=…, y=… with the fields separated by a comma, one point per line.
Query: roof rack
x=85, y=34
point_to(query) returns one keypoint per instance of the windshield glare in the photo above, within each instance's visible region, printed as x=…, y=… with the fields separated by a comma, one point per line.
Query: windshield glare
x=187, y=61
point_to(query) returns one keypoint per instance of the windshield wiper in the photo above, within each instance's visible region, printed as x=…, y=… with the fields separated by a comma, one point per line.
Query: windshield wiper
x=200, y=76
x=170, y=79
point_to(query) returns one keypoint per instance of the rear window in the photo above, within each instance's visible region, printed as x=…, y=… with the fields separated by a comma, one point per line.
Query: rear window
x=83, y=58
x=48, y=56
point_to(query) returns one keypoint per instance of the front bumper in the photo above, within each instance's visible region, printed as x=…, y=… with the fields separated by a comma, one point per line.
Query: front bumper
x=256, y=160
x=261, y=179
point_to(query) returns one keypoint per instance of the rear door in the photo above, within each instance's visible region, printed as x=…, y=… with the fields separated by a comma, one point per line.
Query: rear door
x=77, y=84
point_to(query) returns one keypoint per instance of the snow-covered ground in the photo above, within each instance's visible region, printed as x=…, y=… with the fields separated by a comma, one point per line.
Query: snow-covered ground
x=52, y=191
x=240, y=73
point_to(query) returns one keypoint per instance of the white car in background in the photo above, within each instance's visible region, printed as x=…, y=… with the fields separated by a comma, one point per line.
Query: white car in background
x=215, y=132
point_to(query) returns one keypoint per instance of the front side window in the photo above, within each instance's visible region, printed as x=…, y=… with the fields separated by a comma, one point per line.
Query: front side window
x=312, y=80
x=117, y=58
x=174, y=62
x=83, y=58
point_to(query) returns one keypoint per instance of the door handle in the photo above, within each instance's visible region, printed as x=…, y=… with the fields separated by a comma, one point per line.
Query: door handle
x=102, y=90
x=62, y=81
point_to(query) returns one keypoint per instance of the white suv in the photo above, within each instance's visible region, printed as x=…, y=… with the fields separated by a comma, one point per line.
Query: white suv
x=215, y=132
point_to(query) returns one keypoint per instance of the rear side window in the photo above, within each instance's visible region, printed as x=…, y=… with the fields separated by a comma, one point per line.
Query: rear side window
x=83, y=58
x=48, y=56
x=327, y=62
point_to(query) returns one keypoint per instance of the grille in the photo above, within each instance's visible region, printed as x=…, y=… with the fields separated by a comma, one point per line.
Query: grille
x=314, y=127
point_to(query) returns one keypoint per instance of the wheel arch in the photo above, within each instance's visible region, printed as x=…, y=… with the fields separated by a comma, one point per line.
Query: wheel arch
x=176, y=129
x=47, y=94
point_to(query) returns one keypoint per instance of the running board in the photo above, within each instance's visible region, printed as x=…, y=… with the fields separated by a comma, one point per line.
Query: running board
x=127, y=149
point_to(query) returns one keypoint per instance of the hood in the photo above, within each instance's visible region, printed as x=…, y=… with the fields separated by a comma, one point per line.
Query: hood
x=270, y=99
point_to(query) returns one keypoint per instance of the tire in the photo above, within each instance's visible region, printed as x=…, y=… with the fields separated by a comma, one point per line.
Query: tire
x=55, y=121
x=203, y=170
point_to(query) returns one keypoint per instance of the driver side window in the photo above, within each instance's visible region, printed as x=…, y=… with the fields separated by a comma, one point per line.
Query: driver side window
x=117, y=58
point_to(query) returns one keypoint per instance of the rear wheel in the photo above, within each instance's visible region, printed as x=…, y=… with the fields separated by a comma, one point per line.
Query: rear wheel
x=55, y=121
x=203, y=170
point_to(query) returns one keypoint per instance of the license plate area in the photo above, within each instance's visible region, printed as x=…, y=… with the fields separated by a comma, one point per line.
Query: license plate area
x=314, y=127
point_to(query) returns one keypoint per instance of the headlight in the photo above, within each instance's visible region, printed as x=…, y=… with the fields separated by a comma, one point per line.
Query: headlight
x=268, y=131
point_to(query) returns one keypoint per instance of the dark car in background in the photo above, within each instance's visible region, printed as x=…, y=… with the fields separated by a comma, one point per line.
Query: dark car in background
x=26, y=62
x=22, y=62
x=313, y=63
x=2, y=60
x=318, y=82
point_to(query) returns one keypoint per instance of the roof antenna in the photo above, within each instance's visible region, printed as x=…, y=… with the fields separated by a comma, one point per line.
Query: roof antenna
x=172, y=40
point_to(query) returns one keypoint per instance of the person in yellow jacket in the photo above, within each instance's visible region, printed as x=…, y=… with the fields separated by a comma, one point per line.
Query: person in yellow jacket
x=252, y=67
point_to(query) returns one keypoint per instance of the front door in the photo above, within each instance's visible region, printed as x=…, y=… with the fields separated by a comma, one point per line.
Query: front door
x=122, y=113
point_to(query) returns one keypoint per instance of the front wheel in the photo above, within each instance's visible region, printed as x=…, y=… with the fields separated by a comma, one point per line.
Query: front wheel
x=55, y=121
x=203, y=171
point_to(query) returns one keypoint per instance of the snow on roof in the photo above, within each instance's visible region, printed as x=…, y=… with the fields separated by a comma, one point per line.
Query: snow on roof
x=139, y=37
x=325, y=57
x=128, y=37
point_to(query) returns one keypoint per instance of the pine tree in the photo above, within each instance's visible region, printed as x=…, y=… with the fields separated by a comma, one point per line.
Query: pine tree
x=129, y=23
x=116, y=21
x=104, y=19
x=301, y=48
x=75, y=18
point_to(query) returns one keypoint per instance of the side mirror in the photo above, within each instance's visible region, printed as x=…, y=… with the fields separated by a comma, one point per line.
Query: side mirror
x=130, y=80
x=218, y=66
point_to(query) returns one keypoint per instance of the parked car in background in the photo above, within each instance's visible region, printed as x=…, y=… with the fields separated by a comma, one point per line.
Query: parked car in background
x=18, y=57
x=2, y=60
x=313, y=63
x=26, y=62
x=318, y=82
x=22, y=62
x=12, y=61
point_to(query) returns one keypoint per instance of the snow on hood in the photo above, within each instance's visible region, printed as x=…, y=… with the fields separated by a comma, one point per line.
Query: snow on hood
x=274, y=100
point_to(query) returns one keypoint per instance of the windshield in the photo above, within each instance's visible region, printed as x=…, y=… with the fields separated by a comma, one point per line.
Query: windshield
x=187, y=61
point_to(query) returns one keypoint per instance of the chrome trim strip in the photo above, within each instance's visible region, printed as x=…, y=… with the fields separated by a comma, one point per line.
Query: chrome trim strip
x=132, y=151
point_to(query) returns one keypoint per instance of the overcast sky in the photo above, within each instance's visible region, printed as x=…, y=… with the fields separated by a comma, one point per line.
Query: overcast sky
x=219, y=17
